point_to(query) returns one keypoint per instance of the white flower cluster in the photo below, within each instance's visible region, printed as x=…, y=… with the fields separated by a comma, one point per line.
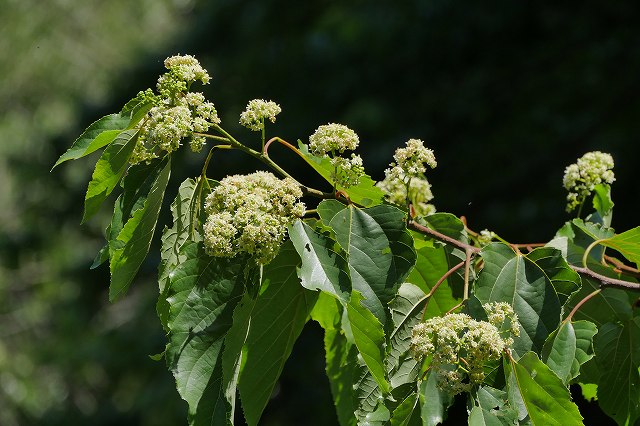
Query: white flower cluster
x=331, y=139
x=485, y=237
x=592, y=169
x=250, y=214
x=257, y=112
x=460, y=346
x=177, y=113
x=404, y=181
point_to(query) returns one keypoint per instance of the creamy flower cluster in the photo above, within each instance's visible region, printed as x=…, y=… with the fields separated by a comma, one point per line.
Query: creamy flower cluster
x=580, y=179
x=332, y=139
x=176, y=113
x=250, y=214
x=257, y=112
x=460, y=346
x=404, y=182
x=485, y=237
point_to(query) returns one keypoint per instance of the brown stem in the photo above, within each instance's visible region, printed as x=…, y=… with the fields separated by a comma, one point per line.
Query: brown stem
x=622, y=267
x=439, y=236
x=437, y=284
x=580, y=303
x=606, y=281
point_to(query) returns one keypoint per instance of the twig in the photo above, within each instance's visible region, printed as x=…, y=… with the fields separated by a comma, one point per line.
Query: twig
x=621, y=267
x=580, y=303
x=439, y=236
x=437, y=284
x=606, y=281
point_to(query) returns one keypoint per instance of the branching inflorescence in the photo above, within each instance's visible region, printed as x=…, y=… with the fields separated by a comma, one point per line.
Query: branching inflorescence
x=580, y=179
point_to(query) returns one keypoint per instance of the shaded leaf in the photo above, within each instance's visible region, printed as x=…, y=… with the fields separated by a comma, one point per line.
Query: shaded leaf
x=369, y=338
x=617, y=348
x=405, y=413
x=491, y=408
x=608, y=305
x=565, y=280
x=567, y=348
x=108, y=171
x=371, y=408
x=512, y=278
x=130, y=248
x=379, y=249
x=279, y=314
x=99, y=134
x=203, y=294
x=546, y=399
x=434, y=403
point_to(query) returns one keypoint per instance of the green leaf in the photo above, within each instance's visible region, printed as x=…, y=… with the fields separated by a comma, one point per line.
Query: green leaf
x=627, y=244
x=491, y=408
x=370, y=401
x=280, y=312
x=609, y=305
x=203, y=294
x=340, y=358
x=405, y=412
x=546, y=399
x=603, y=204
x=513, y=278
x=565, y=280
x=568, y=348
x=434, y=403
x=575, y=236
x=406, y=312
x=186, y=226
x=323, y=266
x=132, y=244
x=100, y=133
x=617, y=350
x=108, y=171
x=378, y=248
x=589, y=391
x=366, y=193
x=369, y=338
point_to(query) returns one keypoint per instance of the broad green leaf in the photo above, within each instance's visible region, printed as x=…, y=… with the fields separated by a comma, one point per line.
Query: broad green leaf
x=369, y=338
x=406, y=312
x=575, y=236
x=370, y=401
x=366, y=193
x=280, y=312
x=379, y=249
x=627, y=244
x=108, y=171
x=491, y=408
x=100, y=133
x=565, y=280
x=567, y=348
x=203, y=294
x=434, y=403
x=603, y=204
x=512, y=278
x=323, y=266
x=447, y=224
x=405, y=412
x=185, y=228
x=545, y=397
x=617, y=348
x=340, y=356
x=132, y=244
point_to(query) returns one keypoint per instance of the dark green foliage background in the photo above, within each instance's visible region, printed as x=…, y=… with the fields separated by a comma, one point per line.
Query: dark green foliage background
x=506, y=93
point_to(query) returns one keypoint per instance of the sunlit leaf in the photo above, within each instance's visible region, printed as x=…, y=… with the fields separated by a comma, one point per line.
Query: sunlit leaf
x=546, y=399
x=510, y=277
x=108, y=171
x=627, y=244
x=131, y=246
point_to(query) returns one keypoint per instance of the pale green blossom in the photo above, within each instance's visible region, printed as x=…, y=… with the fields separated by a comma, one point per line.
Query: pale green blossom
x=485, y=237
x=250, y=214
x=332, y=138
x=413, y=158
x=347, y=171
x=257, y=112
x=460, y=346
x=403, y=190
x=581, y=178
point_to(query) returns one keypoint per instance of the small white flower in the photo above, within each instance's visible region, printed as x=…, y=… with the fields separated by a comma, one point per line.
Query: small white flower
x=331, y=138
x=580, y=178
x=257, y=112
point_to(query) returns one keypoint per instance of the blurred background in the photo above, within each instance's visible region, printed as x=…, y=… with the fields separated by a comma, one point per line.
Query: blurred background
x=506, y=93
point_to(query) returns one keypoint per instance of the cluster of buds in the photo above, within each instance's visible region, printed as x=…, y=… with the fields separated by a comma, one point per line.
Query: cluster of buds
x=581, y=178
x=460, y=347
x=331, y=140
x=257, y=111
x=250, y=214
x=176, y=113
x=404, y=182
